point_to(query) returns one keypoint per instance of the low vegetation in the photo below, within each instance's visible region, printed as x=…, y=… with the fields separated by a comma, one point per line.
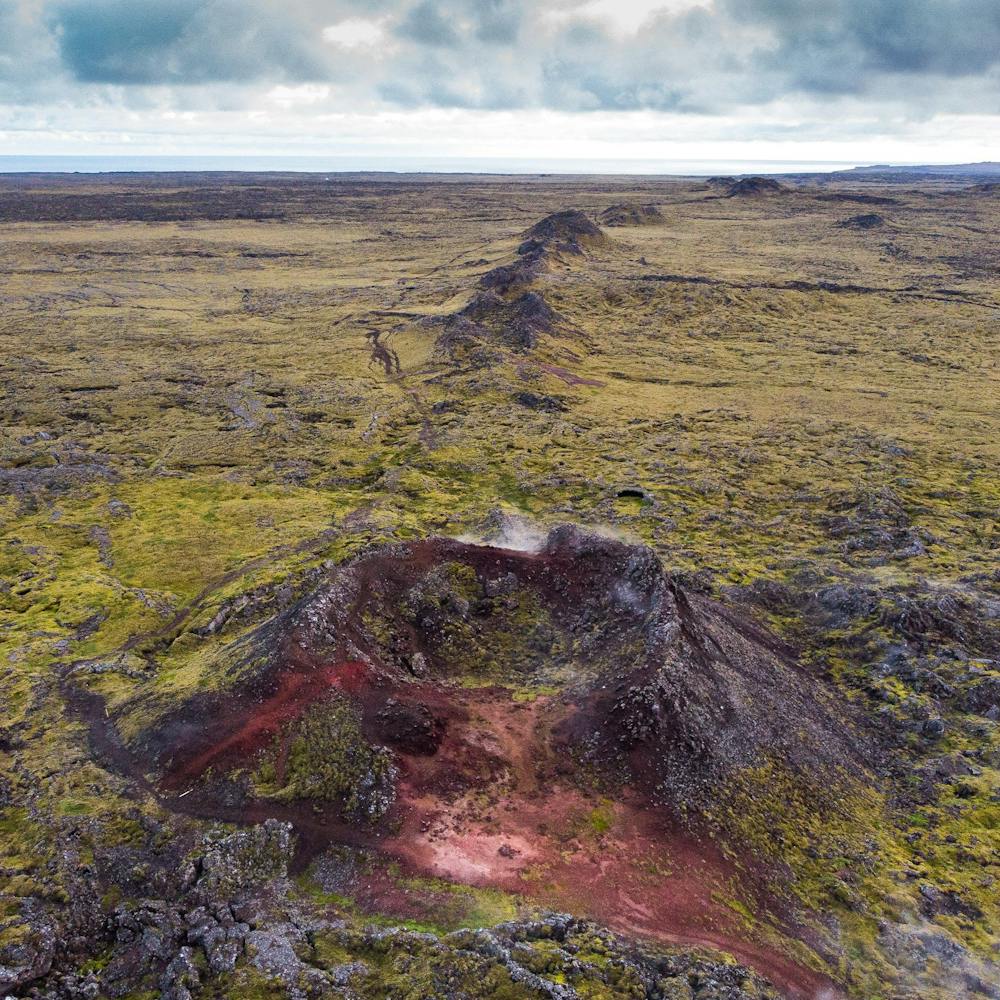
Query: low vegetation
x=215, y=396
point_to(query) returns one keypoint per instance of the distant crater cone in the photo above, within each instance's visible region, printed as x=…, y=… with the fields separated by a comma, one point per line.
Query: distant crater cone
x=863, y=222
x=756, y=187
x=569, y=229
x=670, y=688
x=632, y=215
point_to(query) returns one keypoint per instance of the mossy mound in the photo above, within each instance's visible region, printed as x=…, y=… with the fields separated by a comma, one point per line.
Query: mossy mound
x=756, y=187
x=569, y=229
x=632, y=215
x=323, y=755
x=868, y=221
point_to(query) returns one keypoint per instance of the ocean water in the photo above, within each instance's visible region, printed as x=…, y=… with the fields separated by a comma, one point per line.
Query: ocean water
x=353, y=164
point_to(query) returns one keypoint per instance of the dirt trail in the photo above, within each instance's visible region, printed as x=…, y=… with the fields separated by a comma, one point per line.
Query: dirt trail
x=383, y=355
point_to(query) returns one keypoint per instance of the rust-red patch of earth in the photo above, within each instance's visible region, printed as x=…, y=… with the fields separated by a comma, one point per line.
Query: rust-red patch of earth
x=521, y=829
x=253, y=724
x=493, y=808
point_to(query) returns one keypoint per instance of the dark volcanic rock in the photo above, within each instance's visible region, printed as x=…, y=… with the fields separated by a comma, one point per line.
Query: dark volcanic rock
x=240, y=863
x=755, y=187
x=936, y=902
x=527, y=317
x=869, y=221
x=857, y=198
x=632, y=215
x=563, y=232
x=570, y=228
x=509, y=278
x=545, y=404
x=411, y=726
x=983, y=697
x=715, y=699
x=29, y=956
x=60, y=478
x=517, y=323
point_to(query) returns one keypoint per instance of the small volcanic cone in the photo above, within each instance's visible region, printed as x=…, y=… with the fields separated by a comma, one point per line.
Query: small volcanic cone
x=756, y=187
x=671, y=688
x=632, y=215
x=570, y=230
x=453, y=706
x=863, y=222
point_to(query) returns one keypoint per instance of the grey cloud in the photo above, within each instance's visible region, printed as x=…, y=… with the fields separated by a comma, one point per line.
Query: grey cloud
x=27, y=53
x=499, y=22
x=455, y=23
x=184, y=41
x=425, y=24
x=737, y=52
x=927, y=54
x=864, y=42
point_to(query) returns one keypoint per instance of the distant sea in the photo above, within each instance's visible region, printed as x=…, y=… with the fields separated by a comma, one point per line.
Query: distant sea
x=405, y=165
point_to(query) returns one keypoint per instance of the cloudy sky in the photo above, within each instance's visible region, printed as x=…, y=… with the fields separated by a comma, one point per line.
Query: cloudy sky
x=622, y=80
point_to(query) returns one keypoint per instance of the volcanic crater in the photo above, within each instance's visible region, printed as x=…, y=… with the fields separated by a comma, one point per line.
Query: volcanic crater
x=550, y=719
x=630, y=661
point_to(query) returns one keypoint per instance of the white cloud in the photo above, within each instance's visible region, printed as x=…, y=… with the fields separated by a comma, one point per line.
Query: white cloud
x=641, y=141
x=616, y=80
x=304, y=94
x=625, y=17
x=356, y=32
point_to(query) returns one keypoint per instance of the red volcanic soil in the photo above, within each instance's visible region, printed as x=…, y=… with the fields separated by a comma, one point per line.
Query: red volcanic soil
x=496, y=807
x=252, y=726
x=523, y=828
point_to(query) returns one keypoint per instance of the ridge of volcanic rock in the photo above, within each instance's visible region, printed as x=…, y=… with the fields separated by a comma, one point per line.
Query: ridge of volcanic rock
x=755, y=187
x=509, y=311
